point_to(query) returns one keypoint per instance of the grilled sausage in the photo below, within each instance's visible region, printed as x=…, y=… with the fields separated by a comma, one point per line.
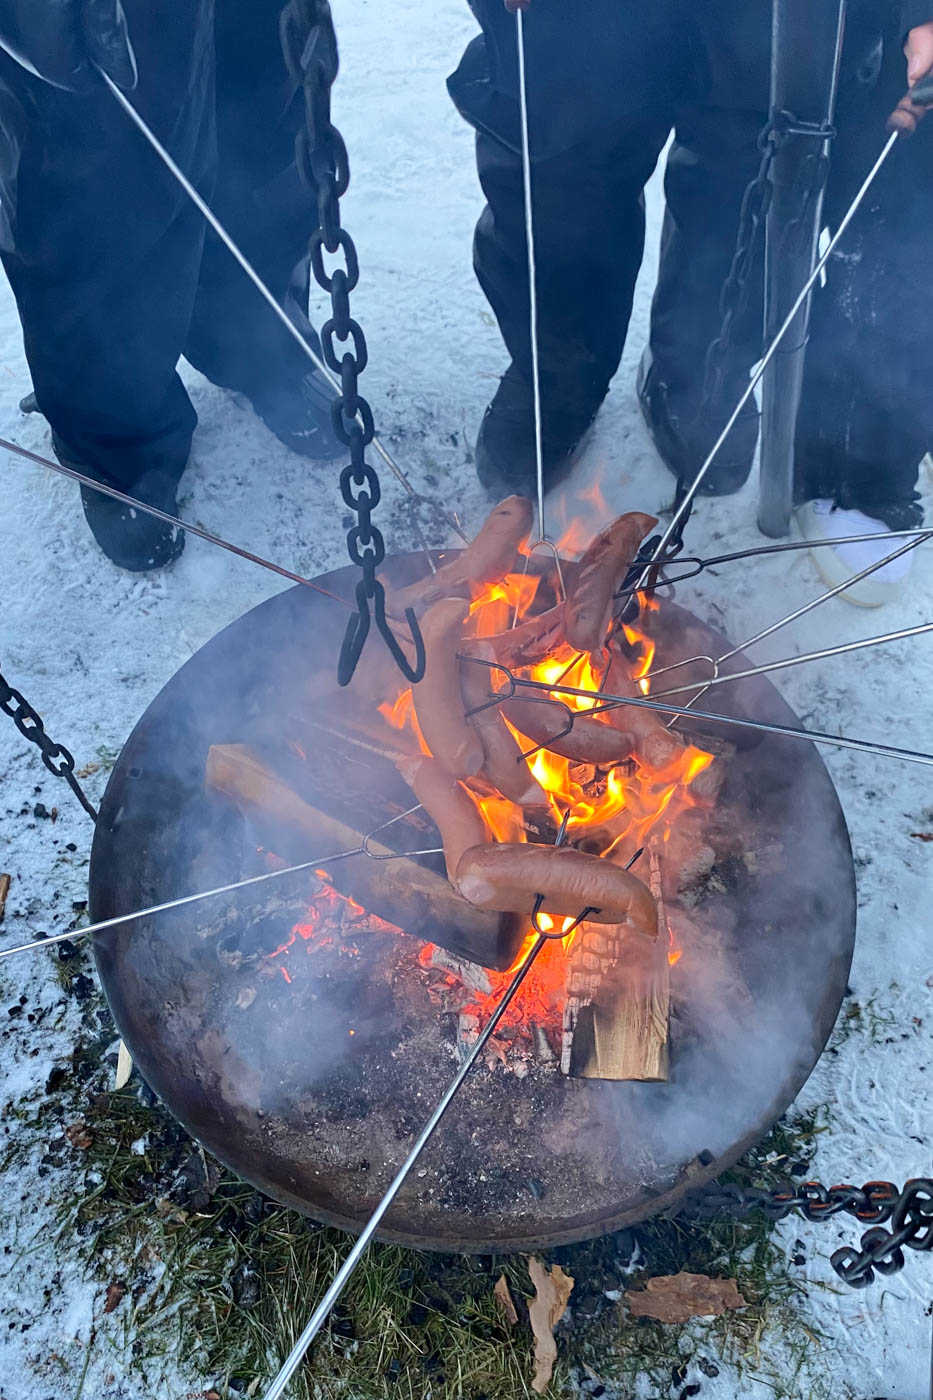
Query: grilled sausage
x=438, y=702
x=449, y=805
x=509, y=877
x=531, y=641
x=591, y=740
x=655, y=745
x=485, y=559
x=503, y=765
x=602, y=567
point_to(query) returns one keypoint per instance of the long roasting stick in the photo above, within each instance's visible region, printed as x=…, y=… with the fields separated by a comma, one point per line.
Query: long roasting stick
x=180, y=903
x=167, y=519
x=769, y=356
x=702, y=687
x=341, y=1279
x=606, y=701
x=806, y=656
x=230, y=244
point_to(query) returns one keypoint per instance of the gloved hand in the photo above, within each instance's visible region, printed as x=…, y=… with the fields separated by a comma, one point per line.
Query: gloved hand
x=919, y=52
x=62, y=40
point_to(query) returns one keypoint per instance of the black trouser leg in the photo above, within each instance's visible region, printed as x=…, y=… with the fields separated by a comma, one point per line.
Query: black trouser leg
x=235, y=338
x=866, y=418
x=107, y=249
x=708, y=168
x=589, y=238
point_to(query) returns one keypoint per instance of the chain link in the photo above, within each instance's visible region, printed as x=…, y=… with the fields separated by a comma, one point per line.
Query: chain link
x=56, y=757
x=309, y=45
x=910, y=1212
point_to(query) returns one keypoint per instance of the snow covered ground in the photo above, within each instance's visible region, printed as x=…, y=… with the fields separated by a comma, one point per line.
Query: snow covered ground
x=91, y=646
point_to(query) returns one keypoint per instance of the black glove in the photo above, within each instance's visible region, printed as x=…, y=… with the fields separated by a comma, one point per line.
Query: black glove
x=62, y=41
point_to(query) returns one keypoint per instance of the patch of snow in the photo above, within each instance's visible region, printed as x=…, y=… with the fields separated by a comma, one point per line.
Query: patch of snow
x=90, y=647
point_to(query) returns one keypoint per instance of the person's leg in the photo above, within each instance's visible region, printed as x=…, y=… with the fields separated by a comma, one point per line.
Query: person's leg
x=866, y=417
x=106, y=249
x=715, y=155
x=867, y=414
x=234, y=337
x=592, y=151
x=102, y=256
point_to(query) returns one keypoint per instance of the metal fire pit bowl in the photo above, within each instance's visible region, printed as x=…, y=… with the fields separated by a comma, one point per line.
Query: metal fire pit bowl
x=314, y=1089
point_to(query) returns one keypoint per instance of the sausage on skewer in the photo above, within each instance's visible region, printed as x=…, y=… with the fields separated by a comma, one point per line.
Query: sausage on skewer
x=509, y=878
x=449, y=805
x=589, y=605
x=438, y=702
x=485, y=559
x=503, y=765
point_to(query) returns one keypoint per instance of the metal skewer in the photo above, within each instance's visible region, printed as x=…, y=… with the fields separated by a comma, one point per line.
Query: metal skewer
x=230, y=244
x=168, y=519
x=799, y=660
x=776, y=626
x=768, y=356
x=605, y=701
x=342, y=1277
x=698, y=566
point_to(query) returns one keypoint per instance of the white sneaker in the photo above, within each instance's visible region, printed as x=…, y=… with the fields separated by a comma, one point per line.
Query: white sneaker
x=821, y=520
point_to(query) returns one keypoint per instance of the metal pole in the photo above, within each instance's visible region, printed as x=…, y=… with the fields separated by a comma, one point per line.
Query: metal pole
x=806, y=46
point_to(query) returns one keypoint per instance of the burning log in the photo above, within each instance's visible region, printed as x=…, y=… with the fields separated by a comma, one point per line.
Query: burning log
x=618, y=1002
x=402, y=891
x=604, y=564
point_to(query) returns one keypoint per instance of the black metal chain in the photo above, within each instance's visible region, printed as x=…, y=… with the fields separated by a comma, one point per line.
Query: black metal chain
x=309, y=44
x=910, y=1212
x=56, y=757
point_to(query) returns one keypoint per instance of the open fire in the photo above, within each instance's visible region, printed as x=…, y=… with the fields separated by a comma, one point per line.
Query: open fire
x=491, y=772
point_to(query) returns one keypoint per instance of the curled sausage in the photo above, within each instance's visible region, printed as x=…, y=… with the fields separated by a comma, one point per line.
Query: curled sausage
x=655, y=745
x=503, y=765
x=485, y=559
x=591, y=740
x=509, y=877
x=438, y=701
x=449, y=805
x=531, y=641
x=602, y=567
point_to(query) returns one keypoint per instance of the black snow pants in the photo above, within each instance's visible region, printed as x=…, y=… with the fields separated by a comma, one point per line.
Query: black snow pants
x=608, y=81
x=113, y=273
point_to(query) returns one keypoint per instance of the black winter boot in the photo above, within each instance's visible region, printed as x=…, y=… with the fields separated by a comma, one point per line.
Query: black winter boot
x=300, y=416
x=130, y=538
x=505, y=446
x=683, y=435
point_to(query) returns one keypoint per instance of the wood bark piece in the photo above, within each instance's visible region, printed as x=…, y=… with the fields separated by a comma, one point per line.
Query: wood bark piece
x=675, y=1298
x=403, y=892
x=504, y=1300
x=545, y=1310
x=617, y=1012
x=5, y=883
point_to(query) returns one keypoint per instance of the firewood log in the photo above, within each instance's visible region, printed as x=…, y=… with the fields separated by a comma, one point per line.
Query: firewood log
x=402, y=891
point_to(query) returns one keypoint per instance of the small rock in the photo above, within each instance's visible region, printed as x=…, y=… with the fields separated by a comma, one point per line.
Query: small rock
x=41, y=811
